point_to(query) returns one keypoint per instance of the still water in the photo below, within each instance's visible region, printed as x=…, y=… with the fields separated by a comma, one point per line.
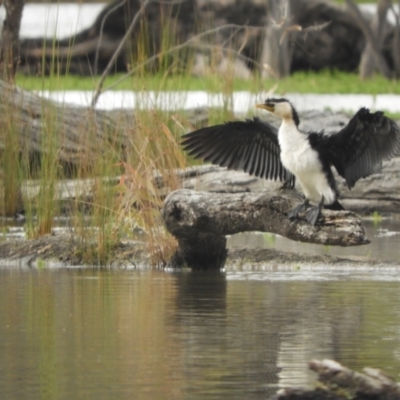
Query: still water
x=102, y=334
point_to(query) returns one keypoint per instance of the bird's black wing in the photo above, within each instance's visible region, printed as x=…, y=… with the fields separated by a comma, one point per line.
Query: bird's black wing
x=358, y=150
x=251, y=146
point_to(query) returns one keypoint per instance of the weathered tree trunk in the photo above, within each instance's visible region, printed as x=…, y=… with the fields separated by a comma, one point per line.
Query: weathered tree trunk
x=378, y=25
x=9, y=44
x=396, y=41
x=372, y=38
x=200, y=221
x=275, y=55
x=337, y=382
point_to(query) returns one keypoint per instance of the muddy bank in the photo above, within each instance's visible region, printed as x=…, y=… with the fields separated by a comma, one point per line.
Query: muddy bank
x=64, y=251
x=271, y=259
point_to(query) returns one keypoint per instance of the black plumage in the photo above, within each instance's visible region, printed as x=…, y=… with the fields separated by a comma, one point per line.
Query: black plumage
x=358, y=150
x=250, y=146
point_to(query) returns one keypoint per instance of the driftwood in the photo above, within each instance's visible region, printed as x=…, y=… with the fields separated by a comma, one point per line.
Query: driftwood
x=337, y=382
x=200, y=221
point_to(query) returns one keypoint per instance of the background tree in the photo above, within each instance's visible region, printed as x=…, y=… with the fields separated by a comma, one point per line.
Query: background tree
x=378, y=27
x=372, y=58
x=275, y=55
x=9, y=43
x=284, y=27
x=9, y=57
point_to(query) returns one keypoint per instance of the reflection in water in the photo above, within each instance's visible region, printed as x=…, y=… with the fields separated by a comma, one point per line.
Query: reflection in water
x=154, y=335
x=228, y=346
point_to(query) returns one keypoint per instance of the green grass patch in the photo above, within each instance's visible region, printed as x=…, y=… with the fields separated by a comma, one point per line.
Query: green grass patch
x=336, y=82
x=302, y=82
x=356, y=1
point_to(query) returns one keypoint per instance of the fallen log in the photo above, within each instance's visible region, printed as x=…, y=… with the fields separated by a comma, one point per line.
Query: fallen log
x=200, y=221
x=79, y=133
x=337, y=382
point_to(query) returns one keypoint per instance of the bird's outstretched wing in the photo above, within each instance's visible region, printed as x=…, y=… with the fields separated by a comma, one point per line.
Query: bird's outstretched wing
x=358, y=150
x=251, y=146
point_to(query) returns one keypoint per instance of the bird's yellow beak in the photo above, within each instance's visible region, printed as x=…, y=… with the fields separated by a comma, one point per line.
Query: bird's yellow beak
x=265, y=107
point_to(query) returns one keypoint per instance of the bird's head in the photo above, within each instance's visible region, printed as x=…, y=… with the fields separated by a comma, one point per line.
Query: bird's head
x=282, y=108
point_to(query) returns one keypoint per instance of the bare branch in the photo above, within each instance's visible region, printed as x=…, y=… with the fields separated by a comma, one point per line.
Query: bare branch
x=193, y=41
x=96, y=58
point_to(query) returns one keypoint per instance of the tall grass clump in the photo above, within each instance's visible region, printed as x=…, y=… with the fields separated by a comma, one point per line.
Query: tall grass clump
x=149, y=175
x=94, y=214
x=108, y=210
x=42, y=207
x=10, y=190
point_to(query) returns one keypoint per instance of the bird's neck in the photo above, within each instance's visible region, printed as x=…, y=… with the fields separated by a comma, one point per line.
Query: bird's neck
x=288, y=132
x=289, y=125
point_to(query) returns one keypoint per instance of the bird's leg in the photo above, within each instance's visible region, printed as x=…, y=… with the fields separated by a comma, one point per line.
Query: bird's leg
x=313, y=214
x=302, y=207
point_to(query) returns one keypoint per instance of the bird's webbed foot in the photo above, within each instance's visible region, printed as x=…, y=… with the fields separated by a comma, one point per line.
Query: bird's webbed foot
x=313, y=214
x=300, y=208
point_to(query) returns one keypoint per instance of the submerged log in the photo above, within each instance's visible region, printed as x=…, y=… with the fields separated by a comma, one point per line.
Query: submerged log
x=200, y=221
x=337, y=382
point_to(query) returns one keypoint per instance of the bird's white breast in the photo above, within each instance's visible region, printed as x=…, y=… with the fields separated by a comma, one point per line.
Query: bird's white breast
x=303, y=161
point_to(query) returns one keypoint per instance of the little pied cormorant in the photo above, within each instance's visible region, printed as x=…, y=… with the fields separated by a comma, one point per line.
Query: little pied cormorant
x=258, y=148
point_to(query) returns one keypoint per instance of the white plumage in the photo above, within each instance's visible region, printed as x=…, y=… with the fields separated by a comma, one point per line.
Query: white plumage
x=303, y=162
